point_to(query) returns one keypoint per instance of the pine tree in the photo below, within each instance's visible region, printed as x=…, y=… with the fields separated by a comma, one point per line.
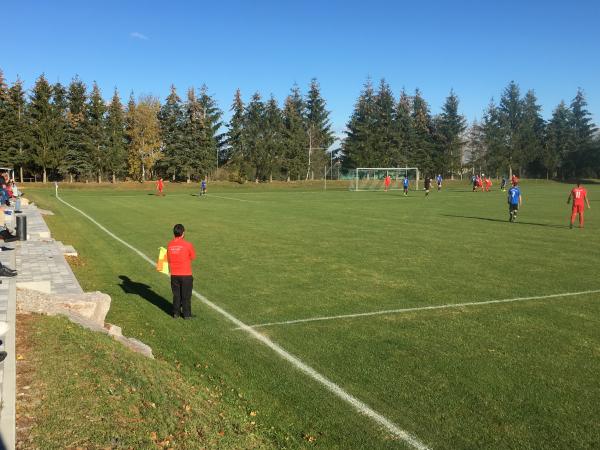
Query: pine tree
x=531, y=134
x=4, y=119
x=403, y=131
x=116, y=152
x=318, y=126
x=510, y=113
x=16, y=128
x=385, y=152
x=77, y=161
x=212, y=141
x=582, y=152
x=358, y=145
x=493, y=140
x=96, y=131
x=45, y=131
x=450, y=130
x=558, y=140
x=171, y=119
x=235, y=143
x=254, y=135
x=295, y=137
x=423, y=151
x=273, y=151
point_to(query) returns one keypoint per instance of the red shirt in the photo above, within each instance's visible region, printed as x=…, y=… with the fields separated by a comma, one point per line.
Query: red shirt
x=578, y=195
x=159, y=185
x=180, y=255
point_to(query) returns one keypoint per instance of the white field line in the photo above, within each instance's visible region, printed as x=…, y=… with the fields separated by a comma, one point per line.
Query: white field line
x=358, y=405
x=232, y=198
x=422, y=308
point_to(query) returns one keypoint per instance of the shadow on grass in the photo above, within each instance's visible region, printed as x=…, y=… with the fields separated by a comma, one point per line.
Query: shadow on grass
x=143, y=290
x=489, y=219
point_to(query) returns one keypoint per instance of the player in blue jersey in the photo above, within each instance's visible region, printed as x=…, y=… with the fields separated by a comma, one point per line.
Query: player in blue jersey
x=438, y=180
x=514, y=201
x=405, y=184
x=203, y=187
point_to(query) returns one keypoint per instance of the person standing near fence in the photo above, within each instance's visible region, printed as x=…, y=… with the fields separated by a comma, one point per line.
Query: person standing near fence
x=180, y=254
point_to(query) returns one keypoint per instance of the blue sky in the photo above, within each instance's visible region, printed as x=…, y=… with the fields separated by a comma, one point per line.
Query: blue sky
x=473, y=47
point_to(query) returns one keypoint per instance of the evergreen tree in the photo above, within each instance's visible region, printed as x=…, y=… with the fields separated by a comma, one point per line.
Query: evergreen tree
x=558, y=140
x=295, y=137
x=450, y=130
x=582, y=153
x=96, y=131
x=171, y=119
x=423, y=151
x=4, y=119
x=44, y=128
x=510, y=114
x=493, y=140
x=273, y=151
x=358, y=145
x=235, y=133
x=385, y=153
x=59, y=112
x=531, y=134
x=318, y=126
x=77, y=161
x=403, y=131
x=212, y=141
x=254, y=136
x=16, y=130
x=116, y=151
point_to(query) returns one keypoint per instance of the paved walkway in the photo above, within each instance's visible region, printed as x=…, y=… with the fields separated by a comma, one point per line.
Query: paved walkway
x=41, y=265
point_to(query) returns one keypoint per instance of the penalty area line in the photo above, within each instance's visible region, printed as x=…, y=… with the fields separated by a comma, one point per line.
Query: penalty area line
x=421, y=308
x=332, y=387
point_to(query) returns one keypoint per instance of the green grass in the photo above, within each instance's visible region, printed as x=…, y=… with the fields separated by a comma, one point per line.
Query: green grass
x=84, y=390
x=510, y=375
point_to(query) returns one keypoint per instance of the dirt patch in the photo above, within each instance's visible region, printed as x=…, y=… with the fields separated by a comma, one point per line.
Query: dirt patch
x=75, y=261
x=29, y=395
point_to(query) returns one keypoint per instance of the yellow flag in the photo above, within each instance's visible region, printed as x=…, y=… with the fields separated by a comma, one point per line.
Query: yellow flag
x=162, y=265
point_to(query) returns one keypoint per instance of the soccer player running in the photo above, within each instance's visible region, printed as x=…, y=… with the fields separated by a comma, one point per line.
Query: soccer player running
x=514, y=201
x=159, y=186
x=427, y=185
x=438, y=179
x=578, y=194
x=203, y=187
x=405, y=184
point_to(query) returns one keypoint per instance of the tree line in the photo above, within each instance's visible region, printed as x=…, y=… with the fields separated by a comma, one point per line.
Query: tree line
x=71, y=133
x=511, y=137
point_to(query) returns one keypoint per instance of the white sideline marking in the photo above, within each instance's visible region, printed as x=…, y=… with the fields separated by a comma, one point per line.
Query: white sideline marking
x=358, y=405
x=422, y=308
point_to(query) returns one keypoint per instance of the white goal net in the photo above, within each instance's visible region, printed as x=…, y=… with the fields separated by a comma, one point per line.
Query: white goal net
x=373, y=178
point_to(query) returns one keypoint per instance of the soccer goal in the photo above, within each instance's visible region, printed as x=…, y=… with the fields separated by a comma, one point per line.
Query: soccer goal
x=373, y=178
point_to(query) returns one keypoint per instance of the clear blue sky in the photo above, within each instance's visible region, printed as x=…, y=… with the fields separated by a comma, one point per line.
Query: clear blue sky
x=474, y=47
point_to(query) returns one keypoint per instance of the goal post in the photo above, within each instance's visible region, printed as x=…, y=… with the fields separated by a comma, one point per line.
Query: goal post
x=373, y=178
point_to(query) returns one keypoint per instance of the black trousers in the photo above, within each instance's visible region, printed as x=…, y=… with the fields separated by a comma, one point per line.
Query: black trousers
x=182, y=286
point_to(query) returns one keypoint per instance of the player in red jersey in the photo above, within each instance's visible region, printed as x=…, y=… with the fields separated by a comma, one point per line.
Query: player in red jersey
x=387, y=182
x=578, y=194
x=159, y=186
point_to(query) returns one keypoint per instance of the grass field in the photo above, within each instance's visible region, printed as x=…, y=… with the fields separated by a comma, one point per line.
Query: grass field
x=520, y=374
